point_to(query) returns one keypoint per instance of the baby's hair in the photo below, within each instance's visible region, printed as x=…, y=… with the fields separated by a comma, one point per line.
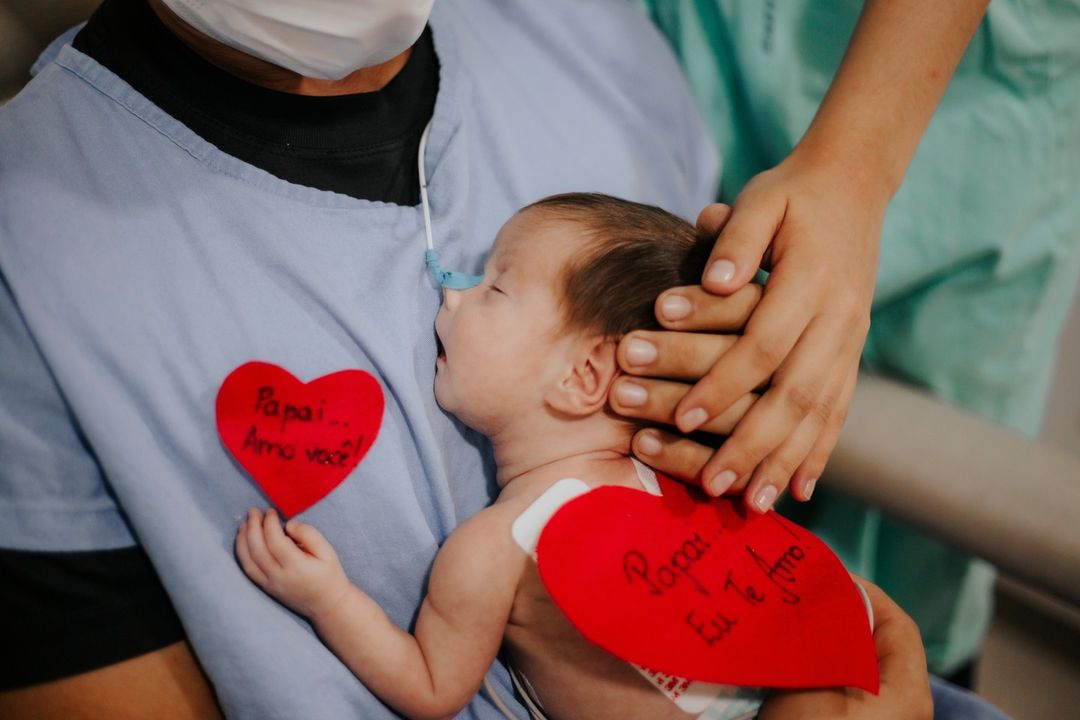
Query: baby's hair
x=635, y=252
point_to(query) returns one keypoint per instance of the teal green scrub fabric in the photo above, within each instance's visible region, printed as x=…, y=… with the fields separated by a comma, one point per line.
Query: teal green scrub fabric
x=979, y=251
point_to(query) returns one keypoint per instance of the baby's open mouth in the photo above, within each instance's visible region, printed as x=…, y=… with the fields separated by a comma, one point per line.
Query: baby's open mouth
x=440, y=350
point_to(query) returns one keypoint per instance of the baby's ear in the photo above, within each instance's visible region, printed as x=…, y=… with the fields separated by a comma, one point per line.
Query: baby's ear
x=583, y=389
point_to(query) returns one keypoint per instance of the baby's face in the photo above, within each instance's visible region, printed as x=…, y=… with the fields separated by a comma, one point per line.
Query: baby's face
x=500, y=342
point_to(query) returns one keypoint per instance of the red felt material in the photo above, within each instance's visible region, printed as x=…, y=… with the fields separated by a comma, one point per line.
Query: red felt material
x=298, y=440
x=705, y=590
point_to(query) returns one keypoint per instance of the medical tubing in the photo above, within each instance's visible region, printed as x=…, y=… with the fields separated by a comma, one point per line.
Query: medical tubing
x=496, y=700
x=443, y=278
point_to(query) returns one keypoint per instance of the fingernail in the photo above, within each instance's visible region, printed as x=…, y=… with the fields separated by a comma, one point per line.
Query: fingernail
x=648, y=443
x=640, y=352
x=675, y=307
x=719, y=484
x=693, y=419
x=720, y=272
x=630, y=394
x=809, y=489
x=764, y=499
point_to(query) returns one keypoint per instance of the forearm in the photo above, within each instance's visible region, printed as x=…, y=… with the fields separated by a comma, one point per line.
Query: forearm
x=167, y=684
x=458, y=628
x=897, y=65
x=385, y=658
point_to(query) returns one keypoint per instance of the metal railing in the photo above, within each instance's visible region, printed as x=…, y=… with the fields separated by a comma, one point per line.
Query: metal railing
x=1009, y=499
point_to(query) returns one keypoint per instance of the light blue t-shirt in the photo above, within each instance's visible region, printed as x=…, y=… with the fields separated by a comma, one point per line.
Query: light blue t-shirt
x=140, y=265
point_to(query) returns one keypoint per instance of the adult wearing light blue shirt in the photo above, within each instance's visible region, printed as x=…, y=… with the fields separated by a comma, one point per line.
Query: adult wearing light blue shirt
x=142, y=263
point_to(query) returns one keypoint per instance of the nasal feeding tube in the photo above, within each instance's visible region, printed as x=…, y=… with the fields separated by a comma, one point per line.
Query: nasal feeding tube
x=443, y=278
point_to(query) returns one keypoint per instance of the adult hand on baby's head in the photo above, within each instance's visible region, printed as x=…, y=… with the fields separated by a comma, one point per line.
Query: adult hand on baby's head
x=662, y=366
x=905, y=683
x=294, y=564
x=818, y=234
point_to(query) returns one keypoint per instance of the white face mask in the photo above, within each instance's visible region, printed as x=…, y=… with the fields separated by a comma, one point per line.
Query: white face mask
x=325, y=39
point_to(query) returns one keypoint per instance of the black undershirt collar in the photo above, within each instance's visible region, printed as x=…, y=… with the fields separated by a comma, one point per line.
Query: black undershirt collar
x=363, y=145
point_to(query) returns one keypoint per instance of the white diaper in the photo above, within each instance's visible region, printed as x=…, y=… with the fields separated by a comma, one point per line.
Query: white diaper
x=724, y=702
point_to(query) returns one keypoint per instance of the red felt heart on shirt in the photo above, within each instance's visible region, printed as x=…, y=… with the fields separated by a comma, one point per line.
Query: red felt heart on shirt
x=298, y=440
x=705, y=590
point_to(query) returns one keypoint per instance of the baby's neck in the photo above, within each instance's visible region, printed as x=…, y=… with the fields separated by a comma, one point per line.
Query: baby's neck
x=528, y=449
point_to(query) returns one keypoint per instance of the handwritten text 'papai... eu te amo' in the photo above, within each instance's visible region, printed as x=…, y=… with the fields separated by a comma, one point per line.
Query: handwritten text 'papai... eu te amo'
x=721, y=597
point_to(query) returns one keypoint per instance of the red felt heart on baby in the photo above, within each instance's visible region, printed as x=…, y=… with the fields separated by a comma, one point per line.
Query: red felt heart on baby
x=703, y=590
x=298, y=440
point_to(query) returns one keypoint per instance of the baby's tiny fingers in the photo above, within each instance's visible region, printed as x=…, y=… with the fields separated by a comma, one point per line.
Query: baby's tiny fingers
x=310, y=539
x=244, y=556
x=256, y=543
x=280, y=547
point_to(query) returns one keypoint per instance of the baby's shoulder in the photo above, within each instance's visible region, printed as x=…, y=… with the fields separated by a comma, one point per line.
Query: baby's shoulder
x=489, y=526
x=480, y=553
x=536, y=496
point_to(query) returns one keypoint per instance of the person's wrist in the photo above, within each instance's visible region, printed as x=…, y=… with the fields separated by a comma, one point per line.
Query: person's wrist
x=329, y=604
x=869, y=176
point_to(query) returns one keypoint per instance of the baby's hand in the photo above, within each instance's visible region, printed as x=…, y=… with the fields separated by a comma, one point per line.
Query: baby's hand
x=294, y=564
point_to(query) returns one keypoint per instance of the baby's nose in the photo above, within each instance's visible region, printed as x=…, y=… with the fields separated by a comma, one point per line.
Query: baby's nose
x=450, y=297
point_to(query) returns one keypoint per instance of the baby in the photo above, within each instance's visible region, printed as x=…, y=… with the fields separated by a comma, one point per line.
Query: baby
x=527, y=358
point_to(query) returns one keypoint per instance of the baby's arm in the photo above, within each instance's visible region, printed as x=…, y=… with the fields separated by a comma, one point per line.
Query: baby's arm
x=458, y=630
